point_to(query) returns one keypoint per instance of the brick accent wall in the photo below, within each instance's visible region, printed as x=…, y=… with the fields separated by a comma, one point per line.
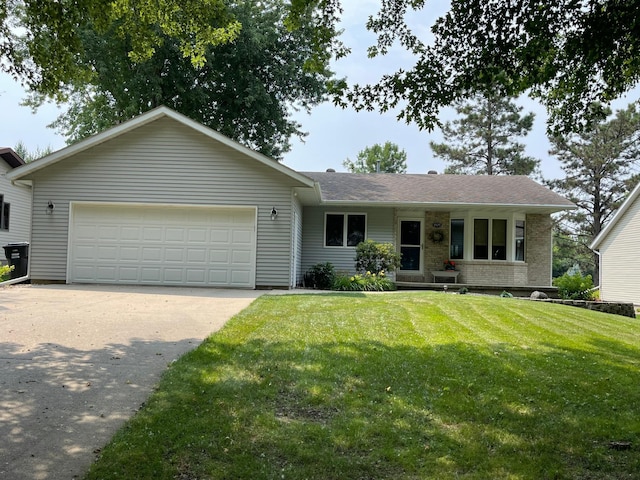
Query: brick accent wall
x=538, y=249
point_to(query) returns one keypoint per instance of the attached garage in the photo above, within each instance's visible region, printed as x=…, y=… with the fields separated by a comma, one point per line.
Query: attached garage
x=162, y=245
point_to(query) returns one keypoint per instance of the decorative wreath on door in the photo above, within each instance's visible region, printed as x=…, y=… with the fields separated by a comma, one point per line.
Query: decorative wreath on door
x=437, y=236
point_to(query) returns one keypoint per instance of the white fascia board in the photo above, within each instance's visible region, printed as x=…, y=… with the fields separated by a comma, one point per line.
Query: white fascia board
x=618, y=215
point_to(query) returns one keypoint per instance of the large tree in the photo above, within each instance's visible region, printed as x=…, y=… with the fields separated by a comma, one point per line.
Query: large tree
x=568, y=54
x=387, y=158
x=601, y=167
x=40, y=40
x=483, y=140
x=246, y=89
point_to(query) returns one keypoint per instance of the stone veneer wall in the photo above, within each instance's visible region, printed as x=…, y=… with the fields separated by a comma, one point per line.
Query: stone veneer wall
x=435, y=254
x=624, y=309
x=538, y=249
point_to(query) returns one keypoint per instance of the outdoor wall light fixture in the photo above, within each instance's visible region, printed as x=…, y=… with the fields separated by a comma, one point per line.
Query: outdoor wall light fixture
x=50, y=207
x=274, y=213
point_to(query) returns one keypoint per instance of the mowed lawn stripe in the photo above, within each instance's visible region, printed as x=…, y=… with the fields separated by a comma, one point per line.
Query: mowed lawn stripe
x=394, y=386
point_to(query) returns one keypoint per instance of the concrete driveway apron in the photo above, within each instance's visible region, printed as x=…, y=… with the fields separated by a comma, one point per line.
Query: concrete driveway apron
x=77, y=361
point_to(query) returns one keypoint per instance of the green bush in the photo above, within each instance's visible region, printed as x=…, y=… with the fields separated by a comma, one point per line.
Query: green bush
x=574, y=287
x=376, y=257
x=320, y=276
x=367, y=282
x=5, y=270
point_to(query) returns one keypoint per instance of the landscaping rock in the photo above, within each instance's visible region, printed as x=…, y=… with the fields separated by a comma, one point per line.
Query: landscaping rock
x=539, y=295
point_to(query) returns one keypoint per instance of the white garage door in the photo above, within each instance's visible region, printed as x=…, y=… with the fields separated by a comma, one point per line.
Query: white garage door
x=162, y=245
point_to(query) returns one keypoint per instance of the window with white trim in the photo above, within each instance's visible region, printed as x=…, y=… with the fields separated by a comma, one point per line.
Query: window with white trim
x=500, y=239
x=5, y=210
x=344, y=229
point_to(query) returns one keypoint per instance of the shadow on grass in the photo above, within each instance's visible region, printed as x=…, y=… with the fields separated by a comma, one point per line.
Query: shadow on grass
x=373, y=411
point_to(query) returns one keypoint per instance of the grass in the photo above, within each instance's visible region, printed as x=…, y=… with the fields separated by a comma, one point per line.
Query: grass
x=394, y=386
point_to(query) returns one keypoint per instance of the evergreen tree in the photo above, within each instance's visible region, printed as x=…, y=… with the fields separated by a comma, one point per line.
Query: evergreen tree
x=482, y=140
x=601, y=168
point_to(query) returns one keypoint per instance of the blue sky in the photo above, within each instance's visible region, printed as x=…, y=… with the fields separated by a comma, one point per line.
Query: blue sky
x=334, y=134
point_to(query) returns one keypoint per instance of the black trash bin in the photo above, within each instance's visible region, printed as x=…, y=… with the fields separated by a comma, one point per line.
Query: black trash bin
x=18, y=255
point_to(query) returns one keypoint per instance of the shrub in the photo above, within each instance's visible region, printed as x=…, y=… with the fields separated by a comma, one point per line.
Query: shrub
x=320, y=276
x=5, y=270
x=506, y=294
x=463, y=291
x=574, y=287
x=376, y=257
x=367, y=282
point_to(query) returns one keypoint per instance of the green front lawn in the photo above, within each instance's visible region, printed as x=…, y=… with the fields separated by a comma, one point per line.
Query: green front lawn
x=394, y=386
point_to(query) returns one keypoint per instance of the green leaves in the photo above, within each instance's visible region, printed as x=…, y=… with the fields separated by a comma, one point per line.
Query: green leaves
x=246, y=89
x=47, y=53
x=387, y=158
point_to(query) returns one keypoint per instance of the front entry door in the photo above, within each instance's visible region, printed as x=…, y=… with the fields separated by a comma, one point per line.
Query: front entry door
x=411, y=242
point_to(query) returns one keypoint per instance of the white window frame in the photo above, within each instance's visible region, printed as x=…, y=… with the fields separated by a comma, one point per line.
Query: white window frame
x=345, y=224
x=469, y=234
x=4, y=219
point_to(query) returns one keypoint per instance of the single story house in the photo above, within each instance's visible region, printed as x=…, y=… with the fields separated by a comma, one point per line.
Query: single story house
x=618, y=246
x=15, y=203
x=164, y=200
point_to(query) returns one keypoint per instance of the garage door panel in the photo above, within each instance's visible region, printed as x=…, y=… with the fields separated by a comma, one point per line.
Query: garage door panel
x=129, y=253
x=152, y=254
x=163, y=245
x=130, y=234
x=108, y=253
x=219, y=236
x=153, y=234
x=108, y=232
x=197, y=235
x=174, y=255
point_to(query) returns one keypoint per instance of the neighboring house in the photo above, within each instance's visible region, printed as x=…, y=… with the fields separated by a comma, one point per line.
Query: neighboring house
x=15, y=204
x=618, y=246
x=163, y=200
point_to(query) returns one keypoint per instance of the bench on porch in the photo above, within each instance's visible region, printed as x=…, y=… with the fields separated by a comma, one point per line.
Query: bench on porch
x=445, y=274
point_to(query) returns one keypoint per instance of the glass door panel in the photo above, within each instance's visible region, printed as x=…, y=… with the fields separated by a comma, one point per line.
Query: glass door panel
x=411, y=245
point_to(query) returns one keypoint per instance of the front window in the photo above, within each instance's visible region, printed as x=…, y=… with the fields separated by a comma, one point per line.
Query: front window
x=457, y=239
x=5, y=210
x=481, y=239
x=499, y=240
x=344, y=229
x=489, y=239
x=519, y=241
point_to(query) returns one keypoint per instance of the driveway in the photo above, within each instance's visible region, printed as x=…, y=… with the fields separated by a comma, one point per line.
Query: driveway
x=77, y=361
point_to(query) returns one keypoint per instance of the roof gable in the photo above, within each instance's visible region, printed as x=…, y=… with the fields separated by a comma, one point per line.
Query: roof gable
x=616, y=218
x=425, y=189
x=144, y=119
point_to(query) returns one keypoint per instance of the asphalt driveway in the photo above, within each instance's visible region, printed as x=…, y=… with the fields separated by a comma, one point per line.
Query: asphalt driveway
x=77, y=361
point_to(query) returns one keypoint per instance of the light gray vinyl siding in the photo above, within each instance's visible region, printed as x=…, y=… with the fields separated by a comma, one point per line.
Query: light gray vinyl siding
x=19, y=199
x=163, y=162
x=620, y=261
x=380, y=227
x=298, y=239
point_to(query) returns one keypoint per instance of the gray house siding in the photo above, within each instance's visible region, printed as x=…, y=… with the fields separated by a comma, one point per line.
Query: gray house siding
x=297, y=273
x=163, y=162
x=19, y=199
x=380, y=227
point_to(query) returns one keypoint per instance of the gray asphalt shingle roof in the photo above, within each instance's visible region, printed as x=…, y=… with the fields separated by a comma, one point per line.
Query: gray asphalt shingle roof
x=426, y=188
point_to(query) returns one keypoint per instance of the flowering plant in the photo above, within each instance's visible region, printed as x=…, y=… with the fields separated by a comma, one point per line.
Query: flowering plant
x=449, y=265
